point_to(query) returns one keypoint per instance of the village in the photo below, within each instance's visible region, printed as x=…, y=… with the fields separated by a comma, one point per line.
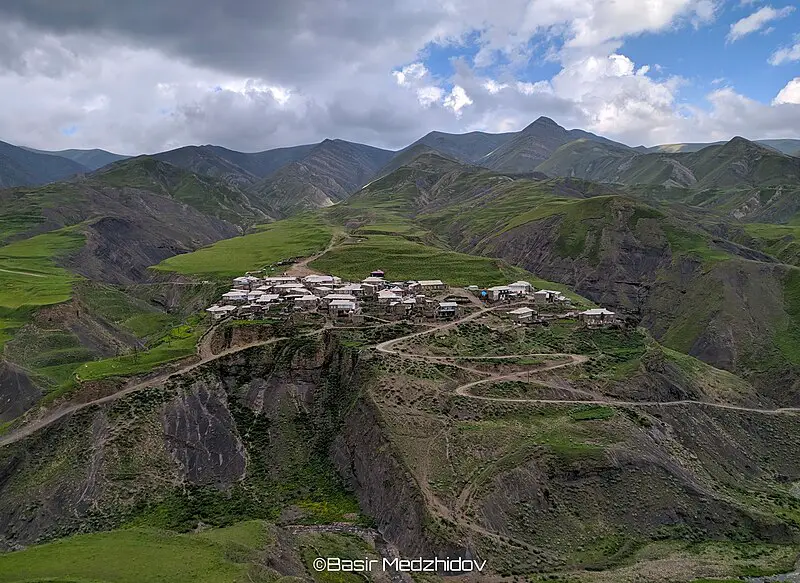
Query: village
x=254, y=297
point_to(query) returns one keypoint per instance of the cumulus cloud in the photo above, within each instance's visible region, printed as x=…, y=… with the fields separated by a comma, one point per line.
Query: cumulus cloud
x=758, y=20
x=457, y=100
x=255, y=75
x=790, y=93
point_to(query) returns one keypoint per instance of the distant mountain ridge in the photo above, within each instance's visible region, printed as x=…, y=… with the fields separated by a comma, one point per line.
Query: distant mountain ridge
x=93, y=159
x=281, y=181
x=791, y=147
x=23, y=167
x=738, y=163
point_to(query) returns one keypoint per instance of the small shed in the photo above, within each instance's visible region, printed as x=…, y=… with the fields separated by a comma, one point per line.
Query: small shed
x=378, y=273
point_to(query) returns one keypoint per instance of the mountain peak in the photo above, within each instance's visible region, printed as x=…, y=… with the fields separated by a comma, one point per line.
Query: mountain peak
x=543, y=122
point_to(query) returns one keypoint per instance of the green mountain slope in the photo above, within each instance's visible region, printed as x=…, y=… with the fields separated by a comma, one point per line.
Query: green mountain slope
x=220, y=197
x=262, y=164
x=784, y=146
x=469, y=147
x=738, y=164
x=533, y=145
x=330, y=172
x=203, y=160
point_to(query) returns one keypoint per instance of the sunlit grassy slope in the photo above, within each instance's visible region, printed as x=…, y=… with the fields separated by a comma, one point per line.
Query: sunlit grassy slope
x=296, y=237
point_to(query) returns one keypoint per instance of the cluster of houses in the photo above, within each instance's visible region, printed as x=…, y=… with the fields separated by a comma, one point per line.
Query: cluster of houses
x=253, y=297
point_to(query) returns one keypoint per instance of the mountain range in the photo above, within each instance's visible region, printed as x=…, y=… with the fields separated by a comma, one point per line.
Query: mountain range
x=121, y=407
x=276, y=183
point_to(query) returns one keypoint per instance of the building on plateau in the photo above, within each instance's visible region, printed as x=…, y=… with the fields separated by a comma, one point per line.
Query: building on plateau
x=432, y=285
x=219, y=312
x=522, y=315
x=597, y=317
x=548, y=296
x=447, y=310
x=499, y=292
x=522, y=288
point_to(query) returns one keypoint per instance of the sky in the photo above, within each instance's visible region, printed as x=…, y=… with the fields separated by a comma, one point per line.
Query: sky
x=151, y=75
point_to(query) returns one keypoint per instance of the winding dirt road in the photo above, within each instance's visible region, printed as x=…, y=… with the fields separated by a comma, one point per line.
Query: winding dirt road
x=388, y=347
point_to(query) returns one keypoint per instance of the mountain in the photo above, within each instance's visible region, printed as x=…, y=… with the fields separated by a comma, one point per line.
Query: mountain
x=407, y=156
x=329, y=173
x=533, y=145
x=738, y=163
x=22, y=167
x=217, y=197
x=469, y=147
x=262, y=164
x=235, y=167
x=92, y=159
x=205, y=161
x=783, y=146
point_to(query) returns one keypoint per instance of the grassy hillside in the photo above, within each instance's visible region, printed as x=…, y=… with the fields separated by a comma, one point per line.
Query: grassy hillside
x=29, y=276
x=297, y=237
x=404, y=260
x=211, y=195
x=737, y=164
x=141, y=556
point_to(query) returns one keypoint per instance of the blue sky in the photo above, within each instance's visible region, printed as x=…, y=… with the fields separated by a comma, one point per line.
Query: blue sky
x=702, y=55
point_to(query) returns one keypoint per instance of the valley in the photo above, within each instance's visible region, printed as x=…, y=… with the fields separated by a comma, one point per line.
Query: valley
x=658, y=446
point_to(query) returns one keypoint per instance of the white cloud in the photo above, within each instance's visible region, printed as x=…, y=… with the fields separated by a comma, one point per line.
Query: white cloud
x=757, y=21
x=457, y=99
x=429, y=95
x=530, y=88
x=358, y=71
x=493, y=86
x=410, y=73
x=787, y=54
x=790, y=93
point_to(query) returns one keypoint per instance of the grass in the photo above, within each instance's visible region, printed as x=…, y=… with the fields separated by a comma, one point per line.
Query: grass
x=781, y=241
x=176, y=344
x=404, y=260
x=592, y=413
x=787, y=338
x=30, y=278
x=29, y=275
x=299, y=236
x=140, y=556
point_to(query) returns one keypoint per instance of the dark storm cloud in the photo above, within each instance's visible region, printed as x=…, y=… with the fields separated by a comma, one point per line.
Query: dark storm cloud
x=286, y=40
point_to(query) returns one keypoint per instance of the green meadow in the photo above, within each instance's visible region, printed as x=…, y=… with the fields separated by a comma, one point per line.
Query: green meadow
x=296, y=237
x=141, y=555
x=30, y=278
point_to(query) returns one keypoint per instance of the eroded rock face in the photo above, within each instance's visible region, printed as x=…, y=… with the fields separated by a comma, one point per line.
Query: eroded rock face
x=17, y=392
x=201, y=436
